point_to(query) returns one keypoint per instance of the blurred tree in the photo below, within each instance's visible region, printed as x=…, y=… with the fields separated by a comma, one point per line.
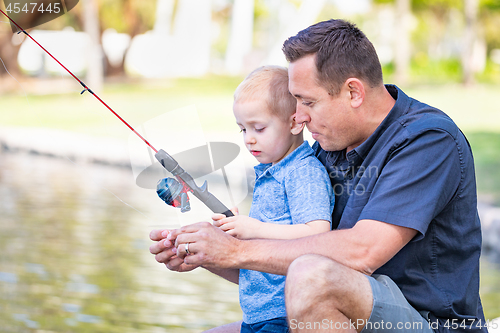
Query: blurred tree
x=164, y=14
x=489, y=18
x=95, y=71
x=8, y=50
x=241, y=36
x=402, y=54
x=445, y=28
x=470, y=36
x=439, y=7
x=129, y=16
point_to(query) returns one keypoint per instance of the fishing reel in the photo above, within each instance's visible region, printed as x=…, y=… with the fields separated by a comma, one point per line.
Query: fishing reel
x=173, y=193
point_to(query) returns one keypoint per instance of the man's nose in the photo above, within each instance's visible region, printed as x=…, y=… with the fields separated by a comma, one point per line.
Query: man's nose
x=301, y=115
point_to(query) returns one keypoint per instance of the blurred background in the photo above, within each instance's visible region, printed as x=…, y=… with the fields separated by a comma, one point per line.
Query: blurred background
x=74, y=219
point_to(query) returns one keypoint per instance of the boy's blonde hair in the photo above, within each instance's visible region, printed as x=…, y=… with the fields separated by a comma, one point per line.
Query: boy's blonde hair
x=269, y=83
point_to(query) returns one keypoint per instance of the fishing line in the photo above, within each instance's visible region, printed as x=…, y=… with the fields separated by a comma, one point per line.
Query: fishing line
x=184, y=182
x=85, y=88
x=65, y=156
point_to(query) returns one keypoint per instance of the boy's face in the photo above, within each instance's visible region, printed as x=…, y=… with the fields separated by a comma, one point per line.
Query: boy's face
x=267, y=137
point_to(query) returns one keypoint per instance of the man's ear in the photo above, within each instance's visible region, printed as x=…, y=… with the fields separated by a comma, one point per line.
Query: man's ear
x=296, y=128
x=356, y=90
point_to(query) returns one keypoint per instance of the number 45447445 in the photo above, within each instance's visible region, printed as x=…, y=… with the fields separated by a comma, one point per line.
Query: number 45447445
x=33, y=7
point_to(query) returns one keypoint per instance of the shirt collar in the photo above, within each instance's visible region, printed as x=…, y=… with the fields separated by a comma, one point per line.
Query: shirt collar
x=278, y=171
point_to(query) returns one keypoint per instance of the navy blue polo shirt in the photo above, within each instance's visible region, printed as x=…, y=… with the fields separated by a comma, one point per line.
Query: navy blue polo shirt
x=416, y=171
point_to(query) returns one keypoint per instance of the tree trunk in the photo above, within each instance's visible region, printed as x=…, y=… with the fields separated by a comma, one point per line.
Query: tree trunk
x=240, y=40
x=306, y=15
x=402, y=54
x=471, y=9
x=164, y=14
x=95, y=70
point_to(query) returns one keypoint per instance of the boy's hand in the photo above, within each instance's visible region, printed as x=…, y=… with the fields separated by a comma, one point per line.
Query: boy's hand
x=217, y=217
x=241, y=227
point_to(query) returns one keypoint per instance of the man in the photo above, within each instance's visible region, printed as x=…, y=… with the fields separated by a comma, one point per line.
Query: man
x=405, y=254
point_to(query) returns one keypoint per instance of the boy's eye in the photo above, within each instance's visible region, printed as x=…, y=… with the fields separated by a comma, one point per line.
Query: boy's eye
x=242, y=130
x=259, y=129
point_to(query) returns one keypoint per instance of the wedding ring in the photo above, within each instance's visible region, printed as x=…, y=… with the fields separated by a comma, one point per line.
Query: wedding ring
x=186, y=248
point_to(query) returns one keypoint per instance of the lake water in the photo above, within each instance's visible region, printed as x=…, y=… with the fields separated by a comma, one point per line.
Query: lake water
x=74, y=257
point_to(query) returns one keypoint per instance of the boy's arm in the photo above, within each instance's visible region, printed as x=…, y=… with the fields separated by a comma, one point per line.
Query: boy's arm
x=244, y=227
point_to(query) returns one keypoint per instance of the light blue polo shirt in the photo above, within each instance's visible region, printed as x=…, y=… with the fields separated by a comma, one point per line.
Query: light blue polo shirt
x=295, y=190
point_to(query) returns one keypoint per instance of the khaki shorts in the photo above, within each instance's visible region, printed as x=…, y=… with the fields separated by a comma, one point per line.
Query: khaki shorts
x=391, y=312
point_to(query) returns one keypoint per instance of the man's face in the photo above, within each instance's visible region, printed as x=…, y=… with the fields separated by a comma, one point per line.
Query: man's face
x=330, y=119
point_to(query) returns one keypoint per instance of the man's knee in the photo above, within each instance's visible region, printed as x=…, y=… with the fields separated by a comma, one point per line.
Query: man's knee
x=308, y=275
x=314, y=279
x=313, y=268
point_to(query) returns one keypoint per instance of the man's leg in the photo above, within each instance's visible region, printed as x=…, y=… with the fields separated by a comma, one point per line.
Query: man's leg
x=228, y=328
x=324, y=296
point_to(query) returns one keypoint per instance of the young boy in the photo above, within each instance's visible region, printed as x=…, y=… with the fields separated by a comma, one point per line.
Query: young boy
x=292, y=196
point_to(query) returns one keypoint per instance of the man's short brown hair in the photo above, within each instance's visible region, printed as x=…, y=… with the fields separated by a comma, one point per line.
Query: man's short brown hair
x=342, y=51
x=271, y=84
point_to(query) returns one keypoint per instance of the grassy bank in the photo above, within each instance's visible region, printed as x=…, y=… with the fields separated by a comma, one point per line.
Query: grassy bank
x=490, y=289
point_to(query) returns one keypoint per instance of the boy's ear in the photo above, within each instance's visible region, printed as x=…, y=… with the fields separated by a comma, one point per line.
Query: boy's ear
x=296, y=128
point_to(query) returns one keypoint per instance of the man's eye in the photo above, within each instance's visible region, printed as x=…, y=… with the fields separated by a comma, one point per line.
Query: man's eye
x=307, y=103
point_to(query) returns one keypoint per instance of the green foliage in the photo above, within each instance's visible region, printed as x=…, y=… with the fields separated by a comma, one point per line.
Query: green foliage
x=486, y=148
x=490, y=5
x=490, y=26
x=438, y=6
x=388, y=70
x=129, y=16
x=261, y=9
x=112, y=14
x=491, y=73
x=490, y=290
x=435, y=71
x=382, y=2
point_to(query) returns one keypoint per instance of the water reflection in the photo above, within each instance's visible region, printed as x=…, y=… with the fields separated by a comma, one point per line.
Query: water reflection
x=75, y=259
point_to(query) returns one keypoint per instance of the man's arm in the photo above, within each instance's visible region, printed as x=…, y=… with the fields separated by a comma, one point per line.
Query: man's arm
x=244, y=227
x=365, y=247
x=232, y=275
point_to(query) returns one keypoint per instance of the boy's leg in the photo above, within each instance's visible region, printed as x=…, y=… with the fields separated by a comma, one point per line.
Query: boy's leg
x=276, y=325
x=320, y=290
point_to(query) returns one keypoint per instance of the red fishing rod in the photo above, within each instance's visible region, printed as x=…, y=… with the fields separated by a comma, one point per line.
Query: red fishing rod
x=172, y=192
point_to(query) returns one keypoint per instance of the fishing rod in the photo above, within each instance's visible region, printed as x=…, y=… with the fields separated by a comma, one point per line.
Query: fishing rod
x=173, y=192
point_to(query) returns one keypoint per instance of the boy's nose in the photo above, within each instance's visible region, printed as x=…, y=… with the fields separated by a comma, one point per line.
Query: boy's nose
x=249, y=139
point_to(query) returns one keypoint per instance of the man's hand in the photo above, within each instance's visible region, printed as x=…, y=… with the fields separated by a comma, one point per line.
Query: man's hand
x=209, y=246
x=166, y=253
x=240, y=226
